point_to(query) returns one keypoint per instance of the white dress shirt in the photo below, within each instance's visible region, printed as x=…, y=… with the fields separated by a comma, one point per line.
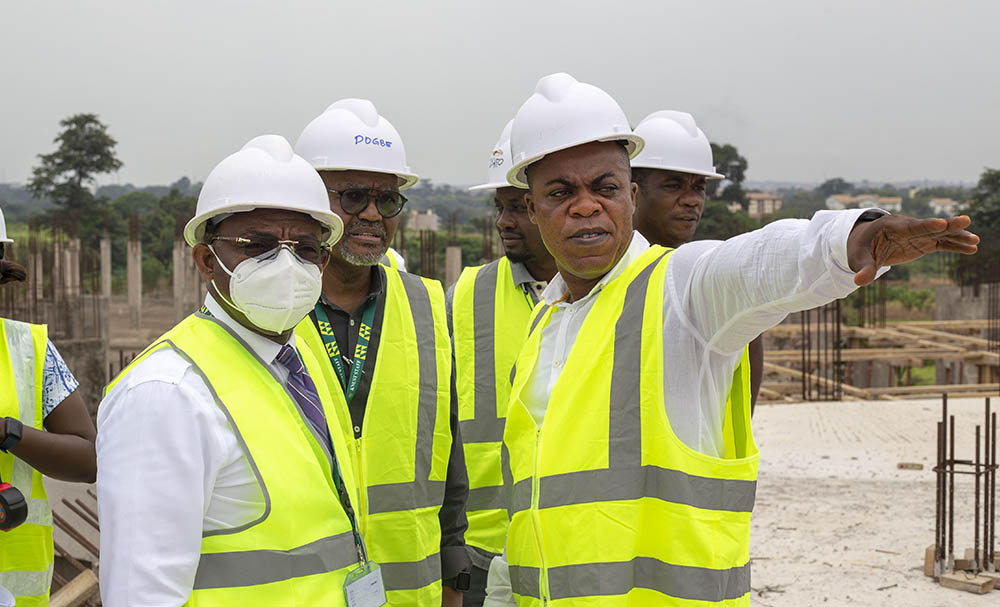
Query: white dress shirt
x=169, y=468
x=719, y=296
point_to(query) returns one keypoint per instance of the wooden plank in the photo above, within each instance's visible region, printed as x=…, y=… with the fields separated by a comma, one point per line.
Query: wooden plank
x=929, y=561
x=936, y=389
x=985, y=343
x=968, y=582
x=77, y=591
x=848, y=389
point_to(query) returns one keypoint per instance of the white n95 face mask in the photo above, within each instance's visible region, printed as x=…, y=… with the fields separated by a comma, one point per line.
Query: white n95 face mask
x=274, y=293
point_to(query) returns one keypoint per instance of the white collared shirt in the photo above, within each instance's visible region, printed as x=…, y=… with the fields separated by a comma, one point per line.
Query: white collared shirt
x=169, y=468
x=719, y=296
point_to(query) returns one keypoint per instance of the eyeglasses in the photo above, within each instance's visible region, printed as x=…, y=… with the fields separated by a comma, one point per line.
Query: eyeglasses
x=264, y=246
x=355, y=200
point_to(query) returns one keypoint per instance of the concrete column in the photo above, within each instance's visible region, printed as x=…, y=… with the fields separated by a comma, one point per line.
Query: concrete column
x=73, y=267
x=181, y=280
x=134, y=271
x=452, y=265
x=58, y=291
x=106, y=267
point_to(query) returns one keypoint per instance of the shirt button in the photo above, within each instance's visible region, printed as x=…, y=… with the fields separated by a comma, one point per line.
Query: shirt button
x=357, y=429
x=557, y=363
x=352, y=322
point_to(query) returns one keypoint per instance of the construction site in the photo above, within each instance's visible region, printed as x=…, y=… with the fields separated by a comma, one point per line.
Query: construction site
x=846, y=501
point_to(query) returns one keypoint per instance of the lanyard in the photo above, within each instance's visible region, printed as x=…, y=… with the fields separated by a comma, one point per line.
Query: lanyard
x=349, y=384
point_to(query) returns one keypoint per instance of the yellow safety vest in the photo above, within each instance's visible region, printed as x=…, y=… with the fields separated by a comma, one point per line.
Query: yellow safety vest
x=490, y=319
x=608, y=507
x=26, y=552
x=401, y=458
x=299, y=551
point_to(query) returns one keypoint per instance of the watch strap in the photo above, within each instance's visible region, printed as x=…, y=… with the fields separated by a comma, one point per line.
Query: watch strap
x=13, y=436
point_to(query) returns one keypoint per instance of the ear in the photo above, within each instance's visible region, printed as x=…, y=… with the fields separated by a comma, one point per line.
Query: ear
x=634, y=187
x=529, y=202
x=205, y=260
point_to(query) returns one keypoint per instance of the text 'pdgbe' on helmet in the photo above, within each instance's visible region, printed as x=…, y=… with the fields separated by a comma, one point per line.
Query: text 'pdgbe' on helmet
x=351, y=135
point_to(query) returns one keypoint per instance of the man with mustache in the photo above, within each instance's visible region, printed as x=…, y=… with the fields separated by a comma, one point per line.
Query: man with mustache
x=671, y=172
x=384, y=336
x=619, y=485
x=489, y=308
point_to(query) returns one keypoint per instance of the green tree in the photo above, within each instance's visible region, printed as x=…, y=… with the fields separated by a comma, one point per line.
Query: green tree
x=730, y=163
x=984, y=210
x=85, y=150
x=719, y=223
x=833, y=186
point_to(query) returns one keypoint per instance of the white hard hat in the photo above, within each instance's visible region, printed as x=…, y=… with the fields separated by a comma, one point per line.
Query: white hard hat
x=264, y=174
x=350, y=135
x=564, y=113
x=496, y=172
x=674, y=143
x=3, y=230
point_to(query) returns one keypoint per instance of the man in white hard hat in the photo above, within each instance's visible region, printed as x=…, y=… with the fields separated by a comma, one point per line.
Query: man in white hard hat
x=223, y=476
x=672, y=172
x=619, y=485
x=383, y=335
x=489, y=308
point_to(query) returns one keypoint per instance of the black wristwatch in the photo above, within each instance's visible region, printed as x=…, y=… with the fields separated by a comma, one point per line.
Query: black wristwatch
x=461, y=582
x=14, y=429
x=871, y=215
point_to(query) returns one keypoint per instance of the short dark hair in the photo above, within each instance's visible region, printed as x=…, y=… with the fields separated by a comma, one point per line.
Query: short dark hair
x=640, y=176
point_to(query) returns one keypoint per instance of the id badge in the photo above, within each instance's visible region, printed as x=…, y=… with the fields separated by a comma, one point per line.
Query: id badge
x=363, y=586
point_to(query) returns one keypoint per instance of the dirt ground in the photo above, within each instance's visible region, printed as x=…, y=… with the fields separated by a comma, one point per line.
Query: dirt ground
x=836, y=522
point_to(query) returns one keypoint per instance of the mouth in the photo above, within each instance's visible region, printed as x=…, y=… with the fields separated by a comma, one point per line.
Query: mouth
x=510, y=236
x=366, y=234
x=589, y=236
x=687, y=218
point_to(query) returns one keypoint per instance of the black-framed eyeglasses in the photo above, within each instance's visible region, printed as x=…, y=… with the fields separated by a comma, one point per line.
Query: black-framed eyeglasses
x=265, y=246
x=355, y=200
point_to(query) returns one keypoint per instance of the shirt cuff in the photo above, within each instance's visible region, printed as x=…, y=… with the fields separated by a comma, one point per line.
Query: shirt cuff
x=454, y=560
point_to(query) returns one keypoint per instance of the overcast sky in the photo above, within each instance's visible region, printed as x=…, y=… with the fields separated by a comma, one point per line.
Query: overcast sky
x=807, y=90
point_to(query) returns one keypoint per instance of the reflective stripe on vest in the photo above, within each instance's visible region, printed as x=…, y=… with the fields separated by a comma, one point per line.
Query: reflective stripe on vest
x=299, y=550
x=490, y=316
x=26, y=552
x=402, y=456
x=648, y=519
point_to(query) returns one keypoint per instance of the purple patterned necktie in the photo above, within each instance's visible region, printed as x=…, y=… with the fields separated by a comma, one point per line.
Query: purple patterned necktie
x=302, y=388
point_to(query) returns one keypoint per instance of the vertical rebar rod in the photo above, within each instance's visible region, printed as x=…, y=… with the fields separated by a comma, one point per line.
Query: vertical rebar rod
x=993, y=494
x=986, y=481
x=943, y=488
x=938, y=511
x=951, y=493
x=975, y=524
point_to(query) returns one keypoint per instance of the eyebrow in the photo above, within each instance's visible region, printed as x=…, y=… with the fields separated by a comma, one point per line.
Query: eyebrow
x=600, y=178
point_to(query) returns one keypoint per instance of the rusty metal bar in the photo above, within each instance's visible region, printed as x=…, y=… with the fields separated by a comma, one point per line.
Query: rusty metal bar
x=76, y=535
x=975, y=524
x=89, y=511
x=951, y=493
x=938, y=512
x=80, y=513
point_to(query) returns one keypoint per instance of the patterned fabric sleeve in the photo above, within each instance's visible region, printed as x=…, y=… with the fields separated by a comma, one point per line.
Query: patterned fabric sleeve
x=57, y=380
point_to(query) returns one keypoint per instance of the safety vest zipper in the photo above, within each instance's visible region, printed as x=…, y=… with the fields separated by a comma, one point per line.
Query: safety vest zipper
x=543, y=582
x=362, y=491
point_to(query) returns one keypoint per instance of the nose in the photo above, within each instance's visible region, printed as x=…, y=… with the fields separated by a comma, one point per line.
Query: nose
x=370, y=212
x=585, y=205
x=692, y=198
x=505, y=218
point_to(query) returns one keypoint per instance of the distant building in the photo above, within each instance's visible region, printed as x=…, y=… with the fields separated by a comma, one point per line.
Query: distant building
x=423, y=220
x=762, y=204
x=943, y=207
x=839, y=202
